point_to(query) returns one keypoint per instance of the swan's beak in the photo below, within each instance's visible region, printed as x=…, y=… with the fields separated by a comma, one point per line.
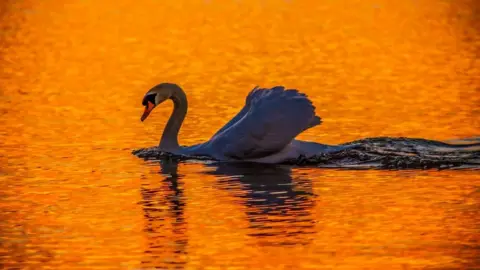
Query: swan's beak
x=147, y=111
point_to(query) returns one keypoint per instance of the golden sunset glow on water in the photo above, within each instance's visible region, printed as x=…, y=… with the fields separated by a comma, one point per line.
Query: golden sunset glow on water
x=72, y=78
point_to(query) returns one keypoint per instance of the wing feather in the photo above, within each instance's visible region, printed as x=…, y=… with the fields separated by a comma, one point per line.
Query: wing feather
x=270, y=120
x=240, y=114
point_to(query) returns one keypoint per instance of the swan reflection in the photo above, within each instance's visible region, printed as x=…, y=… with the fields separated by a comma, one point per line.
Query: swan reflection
x=164, y=210
x=278, y=207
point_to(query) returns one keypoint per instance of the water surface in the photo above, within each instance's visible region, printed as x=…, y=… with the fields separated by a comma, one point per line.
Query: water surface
x=72, y=78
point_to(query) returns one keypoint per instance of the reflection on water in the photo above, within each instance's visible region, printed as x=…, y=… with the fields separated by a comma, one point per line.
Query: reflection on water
x=357, y=215
x=72, y=77
x=165, y=211
x=277, y=206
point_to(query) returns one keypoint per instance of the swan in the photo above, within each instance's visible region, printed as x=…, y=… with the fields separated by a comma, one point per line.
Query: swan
x=263, y=131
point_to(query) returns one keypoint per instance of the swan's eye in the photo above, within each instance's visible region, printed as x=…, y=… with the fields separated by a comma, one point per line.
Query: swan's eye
x=147, y=98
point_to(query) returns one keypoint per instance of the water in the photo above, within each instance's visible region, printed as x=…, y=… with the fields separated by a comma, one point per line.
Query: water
x=72, y=196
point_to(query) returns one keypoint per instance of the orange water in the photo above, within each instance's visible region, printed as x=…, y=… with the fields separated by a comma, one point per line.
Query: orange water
x=72, y=77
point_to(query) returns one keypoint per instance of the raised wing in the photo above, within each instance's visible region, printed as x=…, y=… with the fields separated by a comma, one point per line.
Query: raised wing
x=270, y=120
x=248, y=101
x=240, y=114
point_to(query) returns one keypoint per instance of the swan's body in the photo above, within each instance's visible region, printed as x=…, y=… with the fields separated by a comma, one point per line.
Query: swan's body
x=263, y=131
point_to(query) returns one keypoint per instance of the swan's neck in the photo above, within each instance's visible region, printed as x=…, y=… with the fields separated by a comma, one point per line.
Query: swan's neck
x=169, y=141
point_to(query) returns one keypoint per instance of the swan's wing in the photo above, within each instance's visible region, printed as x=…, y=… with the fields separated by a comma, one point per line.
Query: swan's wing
x=315, y=121
x=240, y=114
x=271, y=120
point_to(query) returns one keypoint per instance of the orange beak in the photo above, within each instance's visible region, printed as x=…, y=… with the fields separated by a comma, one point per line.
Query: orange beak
x=147, y=111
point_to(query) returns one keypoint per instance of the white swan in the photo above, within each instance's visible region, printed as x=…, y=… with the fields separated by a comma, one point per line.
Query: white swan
x=263, y=131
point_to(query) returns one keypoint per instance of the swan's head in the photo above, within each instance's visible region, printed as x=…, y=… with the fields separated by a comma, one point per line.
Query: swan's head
x=156, y=96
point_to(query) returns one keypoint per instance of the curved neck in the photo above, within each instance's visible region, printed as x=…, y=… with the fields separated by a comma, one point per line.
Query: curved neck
x=169, y=141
